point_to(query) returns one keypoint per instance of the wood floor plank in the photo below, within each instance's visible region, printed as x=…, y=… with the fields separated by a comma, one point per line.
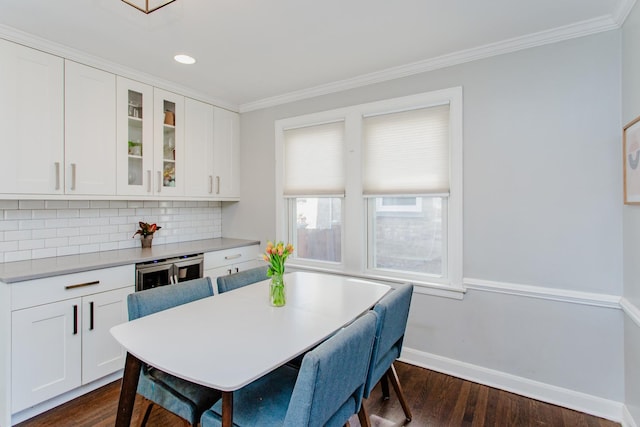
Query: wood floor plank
x=436, y=400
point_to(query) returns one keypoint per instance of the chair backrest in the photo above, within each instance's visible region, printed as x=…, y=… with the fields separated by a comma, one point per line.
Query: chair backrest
x=150, y=301
x=330, y=384
x=243, y=278
x=393, y=312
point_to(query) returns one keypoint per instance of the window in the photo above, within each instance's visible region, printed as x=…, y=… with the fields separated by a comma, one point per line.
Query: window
x=375, y=190
x=313, y=189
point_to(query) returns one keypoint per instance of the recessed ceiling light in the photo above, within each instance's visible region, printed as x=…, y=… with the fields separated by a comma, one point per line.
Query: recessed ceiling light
x=185, y=59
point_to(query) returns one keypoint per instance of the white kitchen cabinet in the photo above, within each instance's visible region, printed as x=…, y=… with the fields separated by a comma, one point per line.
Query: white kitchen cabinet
x=60, y=336
x=226, y=154
x=199, y=133
x=46, y=349
x=90, y=130
x=134, y=138
x=229, y=261
x=168, y=132
x=101, y=354
x=32, y=121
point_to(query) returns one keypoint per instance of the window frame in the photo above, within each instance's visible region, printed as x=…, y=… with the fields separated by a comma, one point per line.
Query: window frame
x=355, y=251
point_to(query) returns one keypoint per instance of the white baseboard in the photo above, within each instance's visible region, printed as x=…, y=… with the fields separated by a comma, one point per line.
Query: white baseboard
x=555, y=395
x=627, y=419
x=63, y=398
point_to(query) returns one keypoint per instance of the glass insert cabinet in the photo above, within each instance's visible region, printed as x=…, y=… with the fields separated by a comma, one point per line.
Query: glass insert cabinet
x=150, y=140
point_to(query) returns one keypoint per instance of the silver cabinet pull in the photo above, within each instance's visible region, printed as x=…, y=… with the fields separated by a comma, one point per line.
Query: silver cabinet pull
x=210, y=184
x=159, y=181
x=82, y=285
x=236, y=256
x=73, y=176
x=217, y=185
x=149, y=181
x=57, y=165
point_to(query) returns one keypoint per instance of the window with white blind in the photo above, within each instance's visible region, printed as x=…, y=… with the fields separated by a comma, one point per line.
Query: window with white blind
x=375, y=190
x=314, y=181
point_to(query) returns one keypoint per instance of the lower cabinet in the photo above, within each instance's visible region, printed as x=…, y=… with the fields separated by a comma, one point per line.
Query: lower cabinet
x=231, y=261
x=60, y=345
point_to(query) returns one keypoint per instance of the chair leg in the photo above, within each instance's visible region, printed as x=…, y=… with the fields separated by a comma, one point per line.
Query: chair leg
x=393, y=376
x=363, y=416
x=147, y=412
x=384, y=385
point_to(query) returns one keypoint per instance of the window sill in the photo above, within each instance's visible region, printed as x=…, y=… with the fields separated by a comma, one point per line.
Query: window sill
x=419, y=287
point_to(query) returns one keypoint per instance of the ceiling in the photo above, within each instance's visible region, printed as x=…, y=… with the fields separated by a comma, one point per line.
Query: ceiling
x=255, y=53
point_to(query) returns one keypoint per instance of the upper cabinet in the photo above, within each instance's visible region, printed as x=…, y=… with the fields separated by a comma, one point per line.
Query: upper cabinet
x=90, y=130
x=32, y=121
x=135, y=138
x=168, y=134
x=226, y=154
x=199, y=176
x=74, y=130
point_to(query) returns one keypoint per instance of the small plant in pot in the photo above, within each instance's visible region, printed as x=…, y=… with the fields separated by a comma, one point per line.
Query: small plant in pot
x=146, y=233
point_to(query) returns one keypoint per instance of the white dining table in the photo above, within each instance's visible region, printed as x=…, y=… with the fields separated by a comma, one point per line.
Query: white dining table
x=229, y=340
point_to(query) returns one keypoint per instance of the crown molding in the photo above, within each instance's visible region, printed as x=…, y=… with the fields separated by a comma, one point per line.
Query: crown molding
x=622, y=11
x=29, y=40
x=580, y=29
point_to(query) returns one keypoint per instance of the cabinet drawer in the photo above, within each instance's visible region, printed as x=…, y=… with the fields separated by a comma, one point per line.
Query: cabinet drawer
x=57, y=288
x=230, y=256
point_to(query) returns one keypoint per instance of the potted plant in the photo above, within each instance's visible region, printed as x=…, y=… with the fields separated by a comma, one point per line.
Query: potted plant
x=146, y=233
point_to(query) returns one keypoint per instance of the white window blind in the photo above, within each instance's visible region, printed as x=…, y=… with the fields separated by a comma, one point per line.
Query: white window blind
x=407, y=152
x=314, y=160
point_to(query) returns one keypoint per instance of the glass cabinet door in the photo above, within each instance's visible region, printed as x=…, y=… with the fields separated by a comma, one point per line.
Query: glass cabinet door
x=135, y=138
x=169, y=136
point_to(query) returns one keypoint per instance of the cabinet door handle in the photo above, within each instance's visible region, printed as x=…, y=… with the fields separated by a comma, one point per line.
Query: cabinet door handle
x=237, y=270
x=75, y=319
x=149, y=181
x=210, y=184
x=91, y=316
x=229, y=271
x=235, y=256
x=73, y=176
x=217, y=185
x=82, y=285
x=57, y=164
x=159, y=181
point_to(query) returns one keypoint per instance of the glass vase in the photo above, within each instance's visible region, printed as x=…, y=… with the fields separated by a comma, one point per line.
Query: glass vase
x=277, y=293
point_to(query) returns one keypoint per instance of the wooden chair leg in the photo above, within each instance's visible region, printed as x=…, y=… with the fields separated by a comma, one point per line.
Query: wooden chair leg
x=147, y=412
x=384, y=385
x=393, y=377
x=363, y=416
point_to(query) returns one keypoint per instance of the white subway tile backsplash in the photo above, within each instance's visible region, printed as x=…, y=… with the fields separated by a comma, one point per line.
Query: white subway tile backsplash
x=17, y=256
x=99, y=204
x=8, y=204
x=31, y=204
x=79, y=204
x=56, y=204
x=118, y=204
x=33, y=229
x=17, y=214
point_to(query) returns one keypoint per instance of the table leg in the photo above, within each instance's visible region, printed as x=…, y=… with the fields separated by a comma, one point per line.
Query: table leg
x=227, y=409
x=128, y=390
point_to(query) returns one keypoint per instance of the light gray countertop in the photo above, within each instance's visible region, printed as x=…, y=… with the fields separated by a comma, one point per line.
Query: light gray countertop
x=19, y=271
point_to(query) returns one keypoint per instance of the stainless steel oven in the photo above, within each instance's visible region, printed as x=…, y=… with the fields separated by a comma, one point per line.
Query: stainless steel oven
x=168, y=271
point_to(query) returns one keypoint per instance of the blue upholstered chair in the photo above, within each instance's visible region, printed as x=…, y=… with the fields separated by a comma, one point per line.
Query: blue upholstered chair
x=393, y=311
x=243, y=278
x=326, y=391
x=183, y=398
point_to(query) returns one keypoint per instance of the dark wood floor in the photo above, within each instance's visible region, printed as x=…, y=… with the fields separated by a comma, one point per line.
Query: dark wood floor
x=435, y=399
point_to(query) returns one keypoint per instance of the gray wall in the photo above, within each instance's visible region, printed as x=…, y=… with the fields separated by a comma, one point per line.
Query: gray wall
x=631, y=217
x=542, y=210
